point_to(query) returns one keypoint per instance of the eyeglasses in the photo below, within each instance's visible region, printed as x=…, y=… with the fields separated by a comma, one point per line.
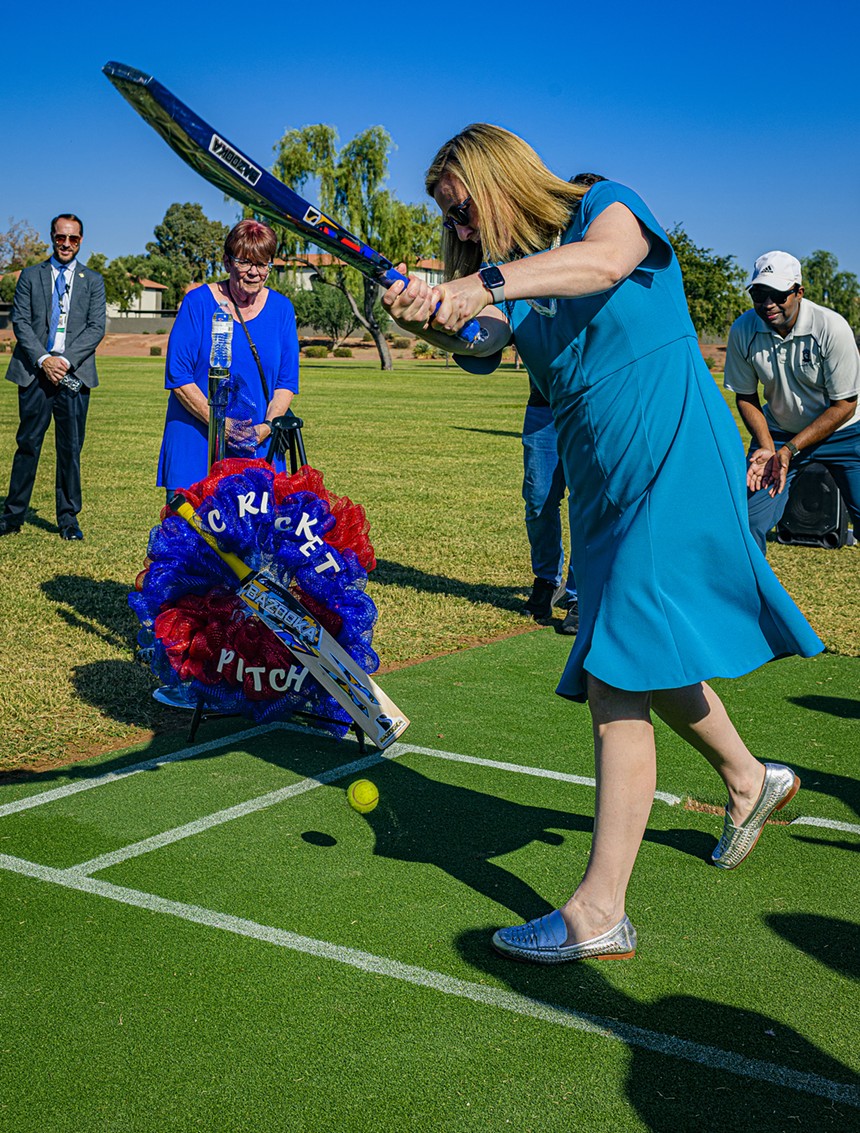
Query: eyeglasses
x=763, y=295
x=457, y=214
x=246, y=265
x=63, y=238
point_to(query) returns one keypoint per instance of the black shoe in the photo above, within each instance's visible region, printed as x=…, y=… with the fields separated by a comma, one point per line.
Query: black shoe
x=539, y=604
x=570, y=625
x=8, y=527
x=71, y=531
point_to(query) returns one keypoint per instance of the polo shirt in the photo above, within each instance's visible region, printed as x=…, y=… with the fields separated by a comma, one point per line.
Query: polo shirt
x=816, y=363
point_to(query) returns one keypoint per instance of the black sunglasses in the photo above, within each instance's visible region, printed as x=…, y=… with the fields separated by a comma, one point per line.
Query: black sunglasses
x=762, y=295
x=63, y=238
x=457, y=214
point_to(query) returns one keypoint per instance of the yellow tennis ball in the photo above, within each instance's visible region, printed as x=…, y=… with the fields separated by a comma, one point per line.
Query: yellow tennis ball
x=362, y=795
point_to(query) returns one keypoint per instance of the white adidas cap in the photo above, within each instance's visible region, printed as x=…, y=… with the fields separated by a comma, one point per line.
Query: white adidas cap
x=777, y=270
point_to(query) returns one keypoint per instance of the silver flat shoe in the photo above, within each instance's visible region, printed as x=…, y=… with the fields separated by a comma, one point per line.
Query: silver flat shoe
x=542, y=941
x=780, y=786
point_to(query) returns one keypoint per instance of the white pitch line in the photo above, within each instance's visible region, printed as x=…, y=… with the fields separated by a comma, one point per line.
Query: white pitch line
x=522, y=769
x=625, y=1033
x=828, y=824
x=218, y=818
x=392, y=752
x=132, y=769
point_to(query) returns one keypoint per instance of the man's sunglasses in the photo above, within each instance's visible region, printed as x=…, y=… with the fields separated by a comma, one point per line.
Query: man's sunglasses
x=457, y=214
x=763, y=295
x=63, y=238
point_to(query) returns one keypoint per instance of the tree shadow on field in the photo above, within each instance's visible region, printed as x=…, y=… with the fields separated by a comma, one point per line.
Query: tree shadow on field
x=829, y=940
x=687, y=1055
x=845, y=788
x=843, y=707
x=399, y=574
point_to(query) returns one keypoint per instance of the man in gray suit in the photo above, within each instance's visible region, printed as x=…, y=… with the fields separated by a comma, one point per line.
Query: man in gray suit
x=58, y=317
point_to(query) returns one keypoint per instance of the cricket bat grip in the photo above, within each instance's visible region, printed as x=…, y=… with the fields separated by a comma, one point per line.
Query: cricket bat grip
x=471, y=332
x=180, y=506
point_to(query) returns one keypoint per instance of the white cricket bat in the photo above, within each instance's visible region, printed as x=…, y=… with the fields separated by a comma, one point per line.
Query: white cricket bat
x=329, y=663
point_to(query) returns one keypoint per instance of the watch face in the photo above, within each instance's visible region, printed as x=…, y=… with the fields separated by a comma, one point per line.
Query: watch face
x=492, y=277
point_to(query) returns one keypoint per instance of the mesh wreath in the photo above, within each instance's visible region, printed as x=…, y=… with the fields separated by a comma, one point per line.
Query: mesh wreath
x=202, y=644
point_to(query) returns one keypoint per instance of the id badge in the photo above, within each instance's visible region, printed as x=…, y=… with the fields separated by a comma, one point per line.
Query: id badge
x=61, y=325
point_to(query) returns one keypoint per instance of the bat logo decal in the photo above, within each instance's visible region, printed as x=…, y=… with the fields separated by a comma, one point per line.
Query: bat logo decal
x=269, y=604
x=239, y=164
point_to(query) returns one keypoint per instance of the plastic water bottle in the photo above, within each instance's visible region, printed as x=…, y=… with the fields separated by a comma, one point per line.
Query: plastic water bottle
x=221, y=354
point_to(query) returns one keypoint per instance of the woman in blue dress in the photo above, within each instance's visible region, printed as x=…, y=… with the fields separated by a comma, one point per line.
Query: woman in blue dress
x=271, y=324
x=672, y=588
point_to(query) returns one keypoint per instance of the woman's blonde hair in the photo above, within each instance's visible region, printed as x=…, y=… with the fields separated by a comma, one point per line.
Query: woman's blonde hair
x=522, y=206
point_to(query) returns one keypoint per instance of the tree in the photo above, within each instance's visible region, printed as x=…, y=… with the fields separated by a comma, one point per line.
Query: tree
x=713, y=284
x=121, y=284
x=824, y=284
x=188, y=247
x=8, y=283
x=20, y=246
x=326, y=309
x=350, y=189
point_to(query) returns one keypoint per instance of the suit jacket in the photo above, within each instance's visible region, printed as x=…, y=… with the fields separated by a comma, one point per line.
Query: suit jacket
x=31, y=321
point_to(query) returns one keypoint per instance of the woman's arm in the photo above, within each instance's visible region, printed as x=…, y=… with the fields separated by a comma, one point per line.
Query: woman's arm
x=615, y=245
x=277, y=407
x=191, y=398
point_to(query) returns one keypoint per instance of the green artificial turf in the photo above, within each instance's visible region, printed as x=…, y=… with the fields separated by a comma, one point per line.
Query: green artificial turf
x=119, y=1017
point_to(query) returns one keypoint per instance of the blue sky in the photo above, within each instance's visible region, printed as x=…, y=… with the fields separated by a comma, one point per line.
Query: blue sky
x=737, y=120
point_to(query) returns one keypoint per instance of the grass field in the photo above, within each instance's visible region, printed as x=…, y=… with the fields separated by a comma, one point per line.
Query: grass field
x=206, y=937
x=433, y=455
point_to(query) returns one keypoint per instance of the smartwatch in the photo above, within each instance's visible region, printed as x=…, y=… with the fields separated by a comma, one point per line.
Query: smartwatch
x=494, y=282
x=792, y=448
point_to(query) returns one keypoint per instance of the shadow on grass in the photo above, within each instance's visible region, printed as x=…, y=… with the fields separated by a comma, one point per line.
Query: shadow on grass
x=842, y=787
x=829, y=940
x=98, y=607
x=398, y=574
x=842, y=707
x=33, y=519
x=488, y=432
x=674, y=1086
x=461, y=830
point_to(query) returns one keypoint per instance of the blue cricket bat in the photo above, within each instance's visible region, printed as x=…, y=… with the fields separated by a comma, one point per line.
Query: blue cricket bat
x=224, y=165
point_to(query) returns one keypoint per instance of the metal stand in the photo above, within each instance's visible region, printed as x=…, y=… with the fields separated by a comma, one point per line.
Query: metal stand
x=217, y=414
x=287, y=434
x=200, y=715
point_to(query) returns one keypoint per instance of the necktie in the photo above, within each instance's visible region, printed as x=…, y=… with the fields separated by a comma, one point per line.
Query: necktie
x=56, y=306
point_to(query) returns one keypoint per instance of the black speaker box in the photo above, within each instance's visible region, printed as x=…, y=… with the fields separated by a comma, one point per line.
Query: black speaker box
x=815, y=515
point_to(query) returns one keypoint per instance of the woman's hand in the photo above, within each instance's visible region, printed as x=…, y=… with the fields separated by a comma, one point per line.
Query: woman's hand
x=412, y=304
x=459, y=301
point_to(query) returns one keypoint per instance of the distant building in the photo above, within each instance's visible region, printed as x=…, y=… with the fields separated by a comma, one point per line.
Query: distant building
x=147, y=303
x=299, y=270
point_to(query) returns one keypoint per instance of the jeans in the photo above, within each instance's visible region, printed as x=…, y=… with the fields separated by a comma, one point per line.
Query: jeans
x=543, y=491
x=840, y=452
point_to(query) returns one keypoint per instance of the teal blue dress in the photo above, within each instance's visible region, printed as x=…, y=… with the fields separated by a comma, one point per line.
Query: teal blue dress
x=672, y=587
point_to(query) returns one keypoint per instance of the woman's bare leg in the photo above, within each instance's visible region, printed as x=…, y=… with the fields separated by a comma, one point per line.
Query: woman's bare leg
x=696, y=714
x=626, y=773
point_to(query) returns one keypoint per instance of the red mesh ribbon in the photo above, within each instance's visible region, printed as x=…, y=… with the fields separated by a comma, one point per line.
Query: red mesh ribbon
x=352, y=527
